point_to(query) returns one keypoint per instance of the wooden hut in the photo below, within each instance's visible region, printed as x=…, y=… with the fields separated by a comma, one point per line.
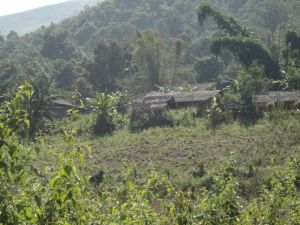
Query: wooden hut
x=199, y=99
x=59, y=108
x=286, y=98
x=181, y=99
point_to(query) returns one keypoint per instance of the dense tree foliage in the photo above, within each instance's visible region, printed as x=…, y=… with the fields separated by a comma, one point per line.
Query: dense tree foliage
x=245, y=48
x=113, y=27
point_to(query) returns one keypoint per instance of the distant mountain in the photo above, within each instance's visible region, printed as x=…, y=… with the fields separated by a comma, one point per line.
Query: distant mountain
x=28, y=21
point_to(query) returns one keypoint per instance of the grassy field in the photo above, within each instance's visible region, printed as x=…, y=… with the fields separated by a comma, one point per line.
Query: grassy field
x=190, y=155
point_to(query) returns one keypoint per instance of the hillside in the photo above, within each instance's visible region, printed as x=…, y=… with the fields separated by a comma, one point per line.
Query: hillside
x=179, y=151
x=29, y=21
x=163, y=112
x=114, y=26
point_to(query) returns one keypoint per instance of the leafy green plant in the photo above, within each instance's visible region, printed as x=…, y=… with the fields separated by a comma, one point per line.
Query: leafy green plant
x=217, y=115
x=142, y=118
x=109, y=109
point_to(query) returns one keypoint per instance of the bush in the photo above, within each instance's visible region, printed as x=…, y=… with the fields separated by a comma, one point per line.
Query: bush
x=208, y=69
x=216, y=115
x=109, y=109
x=141, y=118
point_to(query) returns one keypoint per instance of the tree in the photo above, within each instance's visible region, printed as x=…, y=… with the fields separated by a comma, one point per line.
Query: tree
x=82, y=85
x=292, y=49
x=207, y=68
x=246, y=86
x=239, y=41
x=273, y=13
x=7, y=70
x=273, y=16
x=247, y=51
x=39, y=102
x=57, y=45
x=65, y=75
x=178, y=48
x=224, y=22
x=148, y=56
x=107, y=65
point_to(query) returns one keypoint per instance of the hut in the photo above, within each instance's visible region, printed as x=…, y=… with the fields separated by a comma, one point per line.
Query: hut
x=285, y=98
x=199, y=99
x=165, y=99
x=59, y=108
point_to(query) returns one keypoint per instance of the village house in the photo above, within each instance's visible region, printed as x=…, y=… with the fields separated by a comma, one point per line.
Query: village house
x=285, y=98
x=200, y=99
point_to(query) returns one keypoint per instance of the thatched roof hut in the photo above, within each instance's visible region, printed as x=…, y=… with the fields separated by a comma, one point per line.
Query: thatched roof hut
x=159, y=99
x=59, y=108
x=194, y=98
x=277, y=97
x=181, y=99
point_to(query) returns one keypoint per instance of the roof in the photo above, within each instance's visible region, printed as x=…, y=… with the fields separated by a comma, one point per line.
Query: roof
x=278, y=96
x=62, y=102
x=181, y=97
x=195, y=96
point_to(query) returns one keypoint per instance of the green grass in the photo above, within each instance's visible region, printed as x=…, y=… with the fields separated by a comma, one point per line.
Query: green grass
x=178, y=151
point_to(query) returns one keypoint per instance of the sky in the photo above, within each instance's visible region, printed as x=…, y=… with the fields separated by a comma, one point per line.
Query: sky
x=13, y=6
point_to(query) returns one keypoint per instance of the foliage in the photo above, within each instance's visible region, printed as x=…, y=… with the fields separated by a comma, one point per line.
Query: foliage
x=39, y=103
x=142, y=118
x=148, y=55
x=246, y=86
x=292, y=51
x=207, y=68
x=57, y=46
x=110, y=60
x=113, y=27
x=60, y=192
x=248, y=52
x=216, y=115
x=239, y=42
x=224, y=22
x=292, y=77
x=108, y=109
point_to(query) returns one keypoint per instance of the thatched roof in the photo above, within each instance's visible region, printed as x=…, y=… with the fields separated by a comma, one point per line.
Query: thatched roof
x=158, y=108
x=62, y=103
x=180, y=97
x=195, y=96
x=278, y=97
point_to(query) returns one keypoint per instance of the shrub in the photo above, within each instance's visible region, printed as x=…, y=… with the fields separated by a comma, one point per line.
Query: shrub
x=109, y=109
x=216, y=115
x=141, y=118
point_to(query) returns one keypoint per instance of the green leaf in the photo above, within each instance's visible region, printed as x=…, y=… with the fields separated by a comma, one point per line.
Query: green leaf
x=68, y=169
x=27, y=122
x=38, y=200
x=81, y=158
x=3, y=165
x=2, y=143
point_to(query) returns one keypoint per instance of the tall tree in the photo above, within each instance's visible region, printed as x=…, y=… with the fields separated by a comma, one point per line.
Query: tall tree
x=107, y=66
x=224, y=22
x=239, y=41
x=57, y=46
x=178, y=48
x=148, y=56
